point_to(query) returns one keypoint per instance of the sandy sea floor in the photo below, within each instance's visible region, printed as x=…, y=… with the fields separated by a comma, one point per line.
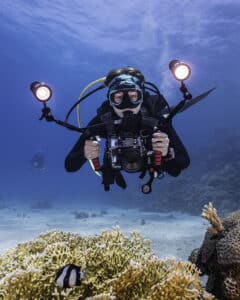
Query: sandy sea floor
x=171, y=234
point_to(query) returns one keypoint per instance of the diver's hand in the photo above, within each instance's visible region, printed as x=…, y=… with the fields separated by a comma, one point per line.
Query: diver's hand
x=160, y=142
x=91, y=149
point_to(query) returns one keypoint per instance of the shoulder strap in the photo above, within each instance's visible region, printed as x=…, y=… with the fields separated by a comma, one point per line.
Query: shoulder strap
x=105, y=115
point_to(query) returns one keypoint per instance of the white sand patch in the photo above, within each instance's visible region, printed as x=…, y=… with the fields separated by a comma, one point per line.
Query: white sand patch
x=171, y=234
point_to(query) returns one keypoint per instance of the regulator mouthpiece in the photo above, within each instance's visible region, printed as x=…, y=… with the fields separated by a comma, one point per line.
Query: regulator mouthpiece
x=180, y=70
x=41, y=91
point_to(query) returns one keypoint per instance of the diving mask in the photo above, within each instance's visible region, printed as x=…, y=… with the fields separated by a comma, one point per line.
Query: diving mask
x=125, y=98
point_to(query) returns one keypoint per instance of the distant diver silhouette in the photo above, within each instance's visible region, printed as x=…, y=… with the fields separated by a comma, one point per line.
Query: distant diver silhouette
x=38, y=161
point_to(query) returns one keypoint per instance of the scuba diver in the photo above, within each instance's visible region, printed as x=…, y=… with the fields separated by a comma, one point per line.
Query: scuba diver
x=136, y=125
x=131, y=103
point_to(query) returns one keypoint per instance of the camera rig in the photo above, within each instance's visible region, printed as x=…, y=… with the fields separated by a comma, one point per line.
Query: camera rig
x=126, y=151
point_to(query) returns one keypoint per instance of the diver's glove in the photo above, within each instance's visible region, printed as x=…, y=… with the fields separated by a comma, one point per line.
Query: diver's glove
x=91, y=149
x=69, y=276
x=160, y=142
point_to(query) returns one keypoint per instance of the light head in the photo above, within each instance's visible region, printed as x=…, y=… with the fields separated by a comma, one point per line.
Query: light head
x=180, y=70
x=41, y=91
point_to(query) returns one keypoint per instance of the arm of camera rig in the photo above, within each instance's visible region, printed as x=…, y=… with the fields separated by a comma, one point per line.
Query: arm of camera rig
x=91, y=131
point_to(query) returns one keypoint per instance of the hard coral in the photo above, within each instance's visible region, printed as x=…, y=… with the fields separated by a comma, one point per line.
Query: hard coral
x=219, y=255
x=116, y=267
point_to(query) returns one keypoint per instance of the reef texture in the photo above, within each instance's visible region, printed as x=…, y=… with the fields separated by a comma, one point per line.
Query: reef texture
x=219, y=255
x=188, y=194
x=116, y=267
x=213, y=176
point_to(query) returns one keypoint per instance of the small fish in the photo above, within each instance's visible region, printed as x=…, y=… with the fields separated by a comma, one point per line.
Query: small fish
x=69, y=276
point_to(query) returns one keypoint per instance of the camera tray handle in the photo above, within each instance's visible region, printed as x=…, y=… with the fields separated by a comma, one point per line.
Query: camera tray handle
x=157, y=154
x=95, y=161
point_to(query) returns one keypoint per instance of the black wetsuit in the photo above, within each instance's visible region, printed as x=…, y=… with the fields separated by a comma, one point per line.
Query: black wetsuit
x=152, y=107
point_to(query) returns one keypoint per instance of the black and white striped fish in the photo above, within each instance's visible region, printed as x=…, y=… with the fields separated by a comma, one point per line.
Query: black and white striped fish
x=69, y=276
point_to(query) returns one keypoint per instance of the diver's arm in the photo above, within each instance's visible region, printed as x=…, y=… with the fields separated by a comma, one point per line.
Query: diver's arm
x=181, y=158
x=75, y=159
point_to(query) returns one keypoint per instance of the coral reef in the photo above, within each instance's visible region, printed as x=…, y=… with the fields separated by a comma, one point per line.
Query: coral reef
x=116, y=267
x=103, y=212
x=81, y=215
x=188, y=194
x=212, y=176
x=210, y=214
x=219, y=255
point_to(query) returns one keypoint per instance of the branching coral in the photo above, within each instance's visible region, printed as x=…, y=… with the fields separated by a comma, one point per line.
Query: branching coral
x=210, y=214
x=116, y=268
x=219, y=255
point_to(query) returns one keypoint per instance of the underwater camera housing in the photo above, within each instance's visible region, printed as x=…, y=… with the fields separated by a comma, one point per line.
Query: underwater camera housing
x=126, y=153
x=127, y=144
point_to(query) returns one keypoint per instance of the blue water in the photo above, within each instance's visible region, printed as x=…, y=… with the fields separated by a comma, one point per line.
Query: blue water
x=68, y=44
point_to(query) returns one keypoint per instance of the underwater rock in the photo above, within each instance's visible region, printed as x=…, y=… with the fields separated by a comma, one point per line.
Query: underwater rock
x=115, y=267
x=103, y=212
x=81, y=215
x=219, y=255
x=21, y=215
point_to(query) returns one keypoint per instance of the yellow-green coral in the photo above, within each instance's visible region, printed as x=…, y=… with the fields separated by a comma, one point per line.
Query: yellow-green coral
x=116, y=268
x=210, y=213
